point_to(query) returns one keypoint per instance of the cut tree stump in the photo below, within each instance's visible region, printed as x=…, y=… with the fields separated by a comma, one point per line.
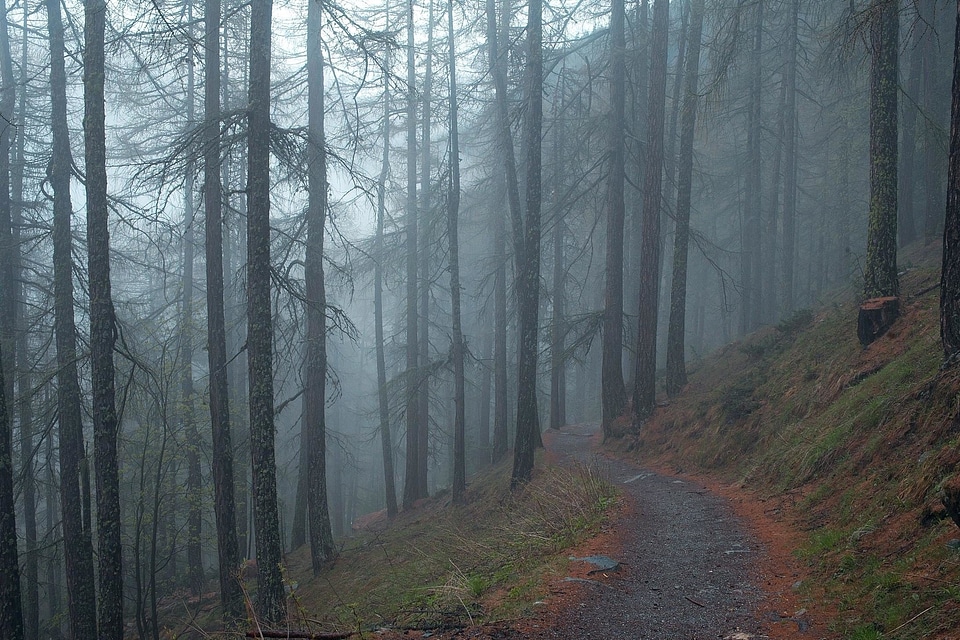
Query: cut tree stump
x=950, y=496
x=876, y=316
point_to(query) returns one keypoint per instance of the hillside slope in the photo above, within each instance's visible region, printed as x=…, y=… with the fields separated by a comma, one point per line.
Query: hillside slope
x=852, y=445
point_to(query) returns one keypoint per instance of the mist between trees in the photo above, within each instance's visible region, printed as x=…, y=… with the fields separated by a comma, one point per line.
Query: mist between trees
x=267, y=268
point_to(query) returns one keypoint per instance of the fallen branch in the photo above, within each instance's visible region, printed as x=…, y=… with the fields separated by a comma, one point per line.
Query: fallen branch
x=699, y=604
x=301, y=635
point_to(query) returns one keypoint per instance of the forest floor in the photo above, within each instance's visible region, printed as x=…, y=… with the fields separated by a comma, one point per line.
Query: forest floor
x=696, y=560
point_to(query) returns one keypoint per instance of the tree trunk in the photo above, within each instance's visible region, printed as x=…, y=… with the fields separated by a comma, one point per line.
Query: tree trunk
x=77, y=544
x=425, y=215
x=931, y=139
x=228, y=549
x=11, y=615
x=386, y=441
x=322, y=551
x=528, y=275
x=500, y=408
x=613, y=393
x=676, y=367
x=453, y=212
x=103, y=331
x=411, y=486
x=270, y=593
x=790, y=164
x=950, y=272
x=53, y=570
x=31, y=570
x=558, y=382
x=751, y=249
x=194, y=494
x=908, y=163
x=645, y=379
x=880, y=274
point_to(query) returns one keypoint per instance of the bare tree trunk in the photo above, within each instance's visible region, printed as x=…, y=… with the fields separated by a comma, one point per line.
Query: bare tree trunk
x=77, y=544
x=880, y=275
x=31, y=570
x=386, y=442
x=751, y=248
x=790, y=163
x=613, y=394
x=645, y=379
x=528, y=275
x=411, y=480
x=676, y=366
x=270, y=593
x=453, y=212
x=500, y=408
x=950, y=272
x=907, y=223
x=187, y=392
x=103, y=331
x=228, y=549
x=558, y=382
x=931, y=73
x=425, y=215
x=11, y=615
x=53, y=569
x=322, y=551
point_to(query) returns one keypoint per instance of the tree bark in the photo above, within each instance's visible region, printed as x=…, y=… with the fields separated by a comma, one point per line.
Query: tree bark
x=453, y=212
x=77, y=544
x=322, y=550
x=751, y=246
x=931, y=138
x=31, y=569
x=905, y=215
x=676, y=366
x=507, y=180
x=103, y=331
x=411, y=487
x=613, y=393
x=950, y=272
x=228, y=549
x=187, y=392
x=425, y=215
x=386, y=441
x=790, y=164
x=11, y=615
x=880, y=274
x=528, y=275
x=645, y=379
x=271, y=605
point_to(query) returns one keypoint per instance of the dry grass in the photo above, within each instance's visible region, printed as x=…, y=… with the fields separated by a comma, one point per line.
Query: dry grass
x=442, y=565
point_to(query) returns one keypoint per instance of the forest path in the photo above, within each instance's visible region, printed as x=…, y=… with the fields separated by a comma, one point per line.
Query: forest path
x=686, y=560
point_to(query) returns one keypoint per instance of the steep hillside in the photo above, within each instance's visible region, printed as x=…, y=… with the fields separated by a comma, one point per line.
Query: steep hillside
x=852, y=445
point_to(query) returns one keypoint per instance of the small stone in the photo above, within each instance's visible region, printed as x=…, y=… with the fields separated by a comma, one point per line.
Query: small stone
x=954, y=544
x=801, y=612
x=797, y=585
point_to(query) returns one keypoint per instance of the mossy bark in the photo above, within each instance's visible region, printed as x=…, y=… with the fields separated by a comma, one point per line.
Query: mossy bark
x=880, y=274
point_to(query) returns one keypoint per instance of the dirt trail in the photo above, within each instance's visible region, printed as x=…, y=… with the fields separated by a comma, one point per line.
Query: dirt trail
x=685, y=560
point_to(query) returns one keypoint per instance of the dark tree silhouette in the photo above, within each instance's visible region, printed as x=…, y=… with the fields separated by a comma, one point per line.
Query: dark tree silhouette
x=613, y=393
x=880, y=274
x=11, y=614
x=322, y=551
x=103, y=330
x=645, y=379
x=77, y=543
x=528, y=273
x=950, y=272
x=676, y=367
x=228, y=551
x=271, y=605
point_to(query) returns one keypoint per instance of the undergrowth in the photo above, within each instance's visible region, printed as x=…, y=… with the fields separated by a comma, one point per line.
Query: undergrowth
x=865, y=437
x=443, y=565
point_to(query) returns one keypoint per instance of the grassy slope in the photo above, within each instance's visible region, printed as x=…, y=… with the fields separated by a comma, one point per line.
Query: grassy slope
x=441, y=565
x=855, y=443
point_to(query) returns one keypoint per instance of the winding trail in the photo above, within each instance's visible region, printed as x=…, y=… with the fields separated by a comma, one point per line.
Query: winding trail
x=685, y=560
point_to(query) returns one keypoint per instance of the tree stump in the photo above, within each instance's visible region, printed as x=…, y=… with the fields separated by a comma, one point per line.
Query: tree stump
x=950, y=496
x=876, y=316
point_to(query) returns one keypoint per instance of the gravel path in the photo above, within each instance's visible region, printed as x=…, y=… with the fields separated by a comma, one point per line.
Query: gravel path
x=685, y=560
